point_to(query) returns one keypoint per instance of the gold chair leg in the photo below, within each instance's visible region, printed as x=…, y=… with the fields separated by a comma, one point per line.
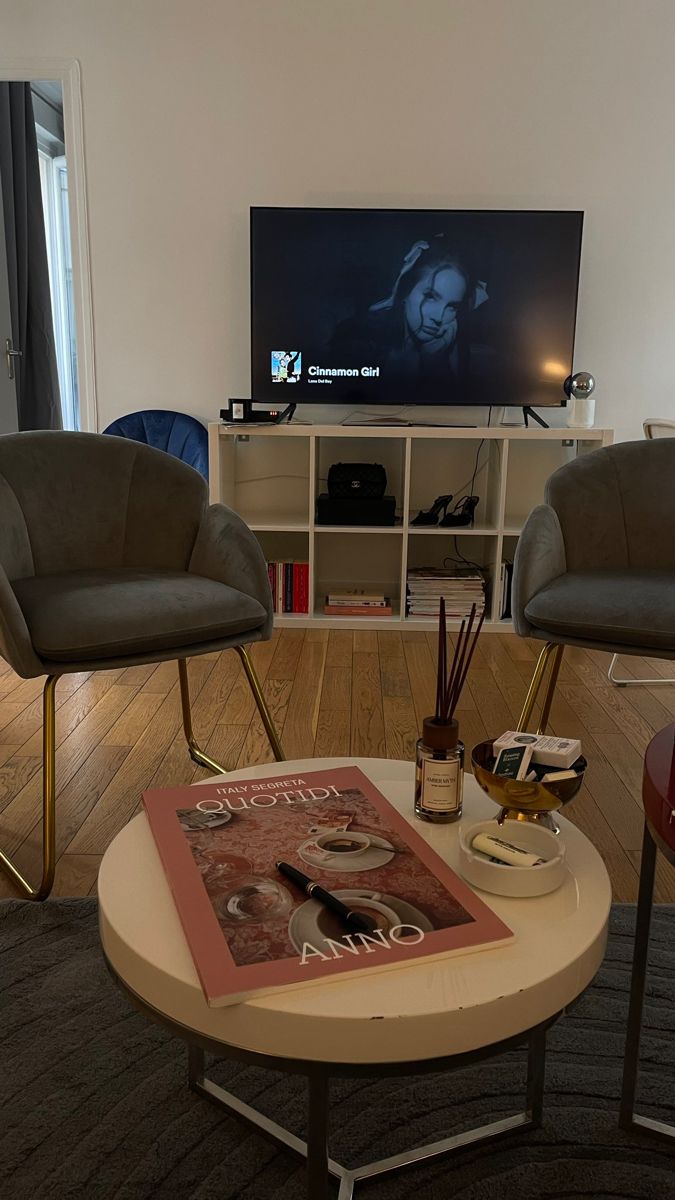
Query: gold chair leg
x=552, y=681
x=196, y=753
x=264, y=711
x=535, y=684
x=48, y=804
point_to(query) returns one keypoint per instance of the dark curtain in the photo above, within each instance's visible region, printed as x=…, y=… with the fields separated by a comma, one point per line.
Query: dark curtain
x=37, y=390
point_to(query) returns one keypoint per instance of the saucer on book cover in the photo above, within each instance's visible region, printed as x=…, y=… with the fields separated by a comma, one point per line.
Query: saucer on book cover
x=194, y=820
x=312, y=922
x=378, y=854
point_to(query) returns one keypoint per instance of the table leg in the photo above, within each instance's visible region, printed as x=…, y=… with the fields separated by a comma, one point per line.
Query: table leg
x=317, y=1138
x=196, y=1063
x=638, y=980
x=536, y=1072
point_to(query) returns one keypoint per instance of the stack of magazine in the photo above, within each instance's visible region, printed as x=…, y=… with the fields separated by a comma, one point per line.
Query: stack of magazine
x=461, y=587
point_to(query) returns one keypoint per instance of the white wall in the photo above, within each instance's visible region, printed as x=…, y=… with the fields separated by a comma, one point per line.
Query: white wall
x=191, y=108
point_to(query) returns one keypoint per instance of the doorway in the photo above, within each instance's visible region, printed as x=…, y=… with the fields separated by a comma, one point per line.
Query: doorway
x=56, y=99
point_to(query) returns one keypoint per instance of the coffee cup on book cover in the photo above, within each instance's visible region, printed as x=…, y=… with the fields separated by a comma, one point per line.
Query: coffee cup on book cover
x=254, y=899
x=346, y=843
x=219, y=866
x=384, y=917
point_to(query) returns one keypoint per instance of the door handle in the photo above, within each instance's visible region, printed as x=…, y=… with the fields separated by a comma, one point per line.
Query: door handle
x=10, y=355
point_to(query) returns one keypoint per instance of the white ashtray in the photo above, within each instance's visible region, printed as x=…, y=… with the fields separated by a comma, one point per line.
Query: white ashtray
x=504, y=880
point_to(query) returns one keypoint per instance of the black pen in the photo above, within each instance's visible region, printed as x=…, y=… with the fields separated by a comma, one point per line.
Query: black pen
x=356, y=922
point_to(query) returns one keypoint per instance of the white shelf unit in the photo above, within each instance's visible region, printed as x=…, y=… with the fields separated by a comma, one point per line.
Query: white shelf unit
x=272, y=475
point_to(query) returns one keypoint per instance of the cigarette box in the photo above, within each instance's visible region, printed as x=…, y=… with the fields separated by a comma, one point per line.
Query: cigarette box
x=550, y=751
x=513, y=761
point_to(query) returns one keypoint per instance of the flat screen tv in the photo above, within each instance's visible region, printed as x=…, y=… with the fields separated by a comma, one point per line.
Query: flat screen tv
x=391, y=306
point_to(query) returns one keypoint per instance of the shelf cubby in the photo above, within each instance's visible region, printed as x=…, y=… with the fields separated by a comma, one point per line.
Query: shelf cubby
x=344, y=561
x=388, y=452
x=270, y=491
x=529, y=466
x=456, y=468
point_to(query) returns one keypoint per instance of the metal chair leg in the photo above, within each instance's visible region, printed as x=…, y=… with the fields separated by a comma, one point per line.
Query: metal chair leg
x=317, y=1138
x=552, y=681
x=48, y=804
x=638, y=981
x=536, y=1075
x=535, y=684
x=632, y=682
x=196, y=753
x=266, y=716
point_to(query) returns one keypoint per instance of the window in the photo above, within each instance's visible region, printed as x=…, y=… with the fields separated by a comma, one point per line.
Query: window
x=54, y=181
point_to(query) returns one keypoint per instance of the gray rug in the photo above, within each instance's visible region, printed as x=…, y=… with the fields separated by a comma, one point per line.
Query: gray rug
x=94, y=1103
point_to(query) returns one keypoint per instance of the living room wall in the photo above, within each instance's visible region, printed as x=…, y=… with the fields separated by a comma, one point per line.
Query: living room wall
x=195, y=109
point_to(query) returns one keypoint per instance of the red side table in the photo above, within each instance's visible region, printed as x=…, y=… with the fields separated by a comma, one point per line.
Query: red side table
x=658, y=795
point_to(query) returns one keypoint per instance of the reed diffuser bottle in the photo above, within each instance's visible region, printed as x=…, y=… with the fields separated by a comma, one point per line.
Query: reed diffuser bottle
x=439, y=764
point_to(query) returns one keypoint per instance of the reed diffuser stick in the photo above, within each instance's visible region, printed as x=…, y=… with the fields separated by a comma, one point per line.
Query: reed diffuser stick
x=441, y=666
x=461, y=676
x=449, y=684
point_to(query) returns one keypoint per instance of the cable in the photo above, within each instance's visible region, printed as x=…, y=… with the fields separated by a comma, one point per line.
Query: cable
x=461, y=559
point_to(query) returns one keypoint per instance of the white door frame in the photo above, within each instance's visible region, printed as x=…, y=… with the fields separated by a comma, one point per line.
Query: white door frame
x=67, y=71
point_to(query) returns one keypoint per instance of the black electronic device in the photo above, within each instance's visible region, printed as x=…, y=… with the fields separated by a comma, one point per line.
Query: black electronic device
x=355, y=511
x=347, y=481
x=243, y=412
x=426, y=307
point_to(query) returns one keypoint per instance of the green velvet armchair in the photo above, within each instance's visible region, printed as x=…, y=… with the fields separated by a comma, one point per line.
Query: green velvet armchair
x=595, y=564
x=110, y=555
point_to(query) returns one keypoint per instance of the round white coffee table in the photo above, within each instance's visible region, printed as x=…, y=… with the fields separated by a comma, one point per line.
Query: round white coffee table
x=432, y=1016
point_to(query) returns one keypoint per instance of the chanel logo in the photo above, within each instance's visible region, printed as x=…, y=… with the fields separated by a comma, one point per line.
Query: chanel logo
x=356, y=483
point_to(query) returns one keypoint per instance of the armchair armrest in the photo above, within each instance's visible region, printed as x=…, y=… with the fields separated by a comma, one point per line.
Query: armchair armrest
x=540, y=558
x=226, y=550
x=16, y=646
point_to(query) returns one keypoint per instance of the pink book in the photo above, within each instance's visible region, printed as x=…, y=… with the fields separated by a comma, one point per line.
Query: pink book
x=251, y=930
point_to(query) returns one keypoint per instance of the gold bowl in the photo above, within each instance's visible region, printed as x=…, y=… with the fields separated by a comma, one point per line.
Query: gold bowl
x=518, y=799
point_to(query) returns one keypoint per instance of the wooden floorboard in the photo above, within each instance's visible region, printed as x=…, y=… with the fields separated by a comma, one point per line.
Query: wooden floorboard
x=331, y=692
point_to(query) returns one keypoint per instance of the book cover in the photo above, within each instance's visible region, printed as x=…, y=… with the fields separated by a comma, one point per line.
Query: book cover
x=251, y=931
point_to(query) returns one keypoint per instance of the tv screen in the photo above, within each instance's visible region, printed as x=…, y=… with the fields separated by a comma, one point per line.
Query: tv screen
x=373, y=306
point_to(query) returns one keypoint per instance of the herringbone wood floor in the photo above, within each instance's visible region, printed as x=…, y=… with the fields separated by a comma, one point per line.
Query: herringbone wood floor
x=332, y=693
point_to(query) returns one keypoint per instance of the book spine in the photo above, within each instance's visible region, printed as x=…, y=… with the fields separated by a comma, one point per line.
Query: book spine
x=509, y=582
x=304, y=577
x=296, y=587
x=272, y=576
x=288, y=587
x=332, y=610
x=279, y=607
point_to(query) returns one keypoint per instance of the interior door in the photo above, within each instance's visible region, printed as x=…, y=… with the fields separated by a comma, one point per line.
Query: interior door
x=8, y=408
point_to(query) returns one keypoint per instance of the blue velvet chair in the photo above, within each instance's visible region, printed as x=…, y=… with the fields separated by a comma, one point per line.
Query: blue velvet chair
x=176, y=433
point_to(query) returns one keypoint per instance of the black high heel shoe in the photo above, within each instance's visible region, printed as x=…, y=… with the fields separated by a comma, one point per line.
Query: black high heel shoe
x=462, y=513
x=430, y=516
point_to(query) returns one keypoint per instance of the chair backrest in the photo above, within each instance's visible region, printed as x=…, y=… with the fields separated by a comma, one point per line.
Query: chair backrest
x=176, y=433
x=77, y=501
x=616, y=506
x=658, y=427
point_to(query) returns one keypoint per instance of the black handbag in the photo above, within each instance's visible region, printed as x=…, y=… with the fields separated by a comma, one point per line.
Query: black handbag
x=365, y=481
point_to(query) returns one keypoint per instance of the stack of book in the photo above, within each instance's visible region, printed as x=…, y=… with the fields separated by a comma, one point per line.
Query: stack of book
x=460, y=587
x=357, y=602
x=289, y=582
